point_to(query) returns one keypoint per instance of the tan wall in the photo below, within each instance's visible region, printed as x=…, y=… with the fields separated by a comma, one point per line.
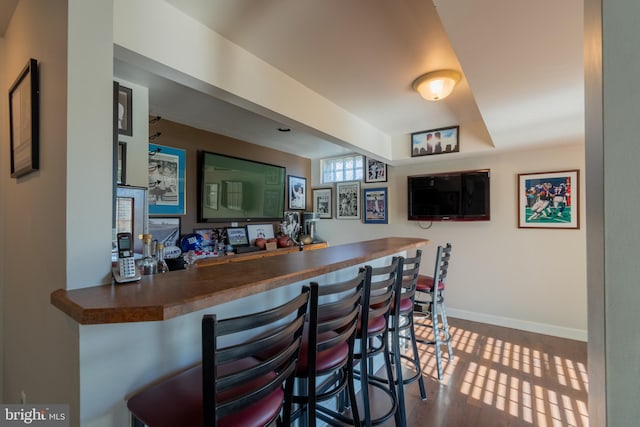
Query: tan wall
x=192, y=140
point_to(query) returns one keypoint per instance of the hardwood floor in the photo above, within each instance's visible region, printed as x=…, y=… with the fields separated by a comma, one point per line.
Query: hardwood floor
x=501, y=377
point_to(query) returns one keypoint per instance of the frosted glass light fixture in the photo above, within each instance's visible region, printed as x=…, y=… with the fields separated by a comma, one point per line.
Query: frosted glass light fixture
x=436, y=85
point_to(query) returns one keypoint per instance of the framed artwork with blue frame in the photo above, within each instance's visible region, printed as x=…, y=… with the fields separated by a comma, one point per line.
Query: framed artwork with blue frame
x=166, y=193
x=375, y=206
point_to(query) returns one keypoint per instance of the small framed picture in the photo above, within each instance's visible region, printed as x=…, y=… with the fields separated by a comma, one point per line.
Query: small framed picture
x=125, y=111
x=436, y=141
x=549, y=199
x=297, y=192
x=348, y=200
x=122, y=162
x=375, y=206
x=165, y=230
x=255, y=231
x=376, y=171
x=323, y=202
x=24, y=121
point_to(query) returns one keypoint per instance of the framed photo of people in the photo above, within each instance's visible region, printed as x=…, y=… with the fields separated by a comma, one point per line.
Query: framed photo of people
x=375, y=206
x=435, y=141
x=166, y=180
x=348, y=200
x=549, y=199
x=322, y=202
x=375, y=170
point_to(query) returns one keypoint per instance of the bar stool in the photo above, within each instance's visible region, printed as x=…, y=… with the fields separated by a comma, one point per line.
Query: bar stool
x=430, y=294
x=327, y=351
x=373, y=340
x=402, y=322
x=232, y=387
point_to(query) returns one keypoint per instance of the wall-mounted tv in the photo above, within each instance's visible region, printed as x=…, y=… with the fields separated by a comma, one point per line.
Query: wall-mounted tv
x=453, y=196
x=235, y=189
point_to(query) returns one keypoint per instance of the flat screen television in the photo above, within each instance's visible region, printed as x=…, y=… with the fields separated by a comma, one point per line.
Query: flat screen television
x=235, y=189
x=453, y=196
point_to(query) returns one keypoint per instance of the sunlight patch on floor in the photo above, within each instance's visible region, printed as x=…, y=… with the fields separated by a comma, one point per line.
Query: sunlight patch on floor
x=503, y=388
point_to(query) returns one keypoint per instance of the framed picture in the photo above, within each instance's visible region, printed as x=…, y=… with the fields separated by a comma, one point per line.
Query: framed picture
x=24, y=119
x=166, y=180
x=436, y=141
x=322, y=202
x=376, y=171
x=375, y=206
x=125, y=111
x=165, y=230
x=122, y=162
x=348, y=200
x=297, y=192
x=259, y=230
x=549, y=199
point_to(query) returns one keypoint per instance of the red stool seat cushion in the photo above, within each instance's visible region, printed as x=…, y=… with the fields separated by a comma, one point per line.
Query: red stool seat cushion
x=326, y=359
x=177, y=401
x=425, y=284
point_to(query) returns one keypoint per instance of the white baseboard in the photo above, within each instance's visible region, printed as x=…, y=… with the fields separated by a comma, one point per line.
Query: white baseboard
x=540, y=328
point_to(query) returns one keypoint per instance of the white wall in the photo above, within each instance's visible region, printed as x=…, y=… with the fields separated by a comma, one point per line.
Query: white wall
x=4, y=135
x=40, y=347
x=530, y=279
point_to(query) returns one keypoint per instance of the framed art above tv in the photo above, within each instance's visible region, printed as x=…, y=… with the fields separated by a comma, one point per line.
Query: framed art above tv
x=235, y=189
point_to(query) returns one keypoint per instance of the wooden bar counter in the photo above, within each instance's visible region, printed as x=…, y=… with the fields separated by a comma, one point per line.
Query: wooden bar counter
x=164, y=296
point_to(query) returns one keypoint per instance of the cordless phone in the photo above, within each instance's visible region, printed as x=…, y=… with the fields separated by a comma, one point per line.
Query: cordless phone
x=126, y=270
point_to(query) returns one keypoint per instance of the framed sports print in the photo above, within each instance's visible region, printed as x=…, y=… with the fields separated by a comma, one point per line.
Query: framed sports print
x=166, y=180
x=322, y=202
x=375, y=206
x=549, y=199
x=375, y=170
x=297, y=192
x=348, y=200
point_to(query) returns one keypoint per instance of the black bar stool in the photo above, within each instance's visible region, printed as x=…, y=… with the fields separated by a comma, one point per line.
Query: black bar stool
x=402, y=321
x=373, y=340
x=233, y=386
x=429, y=302
x=327, y=351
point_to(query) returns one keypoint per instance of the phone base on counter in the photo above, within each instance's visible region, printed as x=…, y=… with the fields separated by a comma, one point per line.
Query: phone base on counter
x=124, y=279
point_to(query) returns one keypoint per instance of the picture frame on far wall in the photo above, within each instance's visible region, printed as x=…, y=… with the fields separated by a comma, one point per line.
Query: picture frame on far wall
x=165, y=230
x=24, y=121
x=348, y=200
x=375, y=206
x=323, y=202
x=297, y=191
x=166, y=180
x=549, y=199
x=122, y=163
x=375, y=170
x=125, y=110
x=435, y=141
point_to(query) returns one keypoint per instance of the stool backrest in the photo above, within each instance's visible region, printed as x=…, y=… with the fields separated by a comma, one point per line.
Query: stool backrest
x=237, y=375
x=380, y=288
x=441, y=268
x=408, y=272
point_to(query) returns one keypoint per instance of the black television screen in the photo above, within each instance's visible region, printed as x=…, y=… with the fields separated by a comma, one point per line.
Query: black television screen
x=454, y=196
x=234, y=189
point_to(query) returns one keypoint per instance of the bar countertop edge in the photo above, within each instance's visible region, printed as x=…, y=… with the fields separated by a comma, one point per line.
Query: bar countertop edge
x=165, y=296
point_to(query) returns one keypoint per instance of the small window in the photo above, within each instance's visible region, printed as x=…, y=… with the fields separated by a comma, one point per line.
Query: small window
x=339, y=169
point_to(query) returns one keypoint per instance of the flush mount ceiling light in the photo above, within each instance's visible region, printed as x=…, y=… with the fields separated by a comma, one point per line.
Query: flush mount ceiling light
x=436, y=85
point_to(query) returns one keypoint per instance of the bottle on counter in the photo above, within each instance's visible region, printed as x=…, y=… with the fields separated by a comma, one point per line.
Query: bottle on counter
x=147, y=264
x=162, y=264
